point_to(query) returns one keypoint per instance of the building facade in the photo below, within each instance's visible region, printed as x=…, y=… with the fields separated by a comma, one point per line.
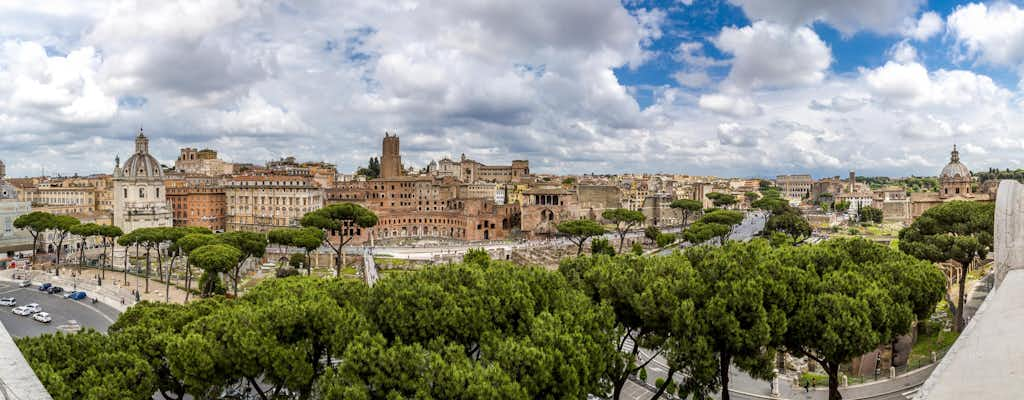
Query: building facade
x=140, y=198
x=259, y=203
x=197, y=202
x=794, y=187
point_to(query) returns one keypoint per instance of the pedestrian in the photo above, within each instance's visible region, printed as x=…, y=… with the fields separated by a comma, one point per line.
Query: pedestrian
x=807, y=386
x=122, y=300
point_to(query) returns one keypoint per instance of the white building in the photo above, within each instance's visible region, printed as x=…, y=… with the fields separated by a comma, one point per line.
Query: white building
x=140, y=198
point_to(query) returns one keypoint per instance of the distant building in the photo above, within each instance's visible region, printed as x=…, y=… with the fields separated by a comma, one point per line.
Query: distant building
x=202, y=162
x=955, y=183
x=794, y=187
x=139, y=194
x=260, y=203
x=197, y=201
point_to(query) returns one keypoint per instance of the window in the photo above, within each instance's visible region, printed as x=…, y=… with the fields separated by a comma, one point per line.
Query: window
x=142, y=193
x=126, y=193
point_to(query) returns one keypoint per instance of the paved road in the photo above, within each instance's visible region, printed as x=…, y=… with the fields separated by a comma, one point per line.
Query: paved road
x=97, y=316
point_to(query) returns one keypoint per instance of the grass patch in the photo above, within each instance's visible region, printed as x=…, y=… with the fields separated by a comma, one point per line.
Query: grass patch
x=939, y=342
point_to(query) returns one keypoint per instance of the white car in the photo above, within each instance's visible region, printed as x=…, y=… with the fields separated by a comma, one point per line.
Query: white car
x=8, y=301
x=25, y=283
x=21, y=311
x=42, y=317
x=33, y=308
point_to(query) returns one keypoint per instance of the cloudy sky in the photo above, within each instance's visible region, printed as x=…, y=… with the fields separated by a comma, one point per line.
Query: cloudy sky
x=727, y=87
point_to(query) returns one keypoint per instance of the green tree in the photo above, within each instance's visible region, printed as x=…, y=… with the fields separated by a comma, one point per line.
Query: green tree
x=958, y=230
x=579, y=230
x=297, y=260
x=87, y=365
x=250, y=244
x=772, y=204
x=651, y=233
x=624, y=220
x=601, y=246
x=742, y=314
x=372, y=169
x=715, y=224
x=841, y=206
x=109, y=235
x=870, y=214
x=308, y=239
x=852, y=296
x=477, y=257
x=652, y=299
x=62, y=225
x=545, y=336
x=790, y=223
x=84, y=232
x=186, y=245
x=687, y=208
x=35, y=223
x=721, y=199
x=346, y=220
x=214, y=259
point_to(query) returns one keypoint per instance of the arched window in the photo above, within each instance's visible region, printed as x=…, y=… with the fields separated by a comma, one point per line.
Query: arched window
x=158, y=192
x=142, y=193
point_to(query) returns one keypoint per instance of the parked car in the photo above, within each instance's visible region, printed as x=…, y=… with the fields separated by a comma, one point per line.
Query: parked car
x=42, y=317
x=54, y=289
x=8, y=301
x=44, y=286
x=76, y=295
x=28, y=309
x=25, y=283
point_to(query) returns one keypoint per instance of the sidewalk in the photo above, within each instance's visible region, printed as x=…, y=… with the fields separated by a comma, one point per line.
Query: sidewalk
x=113, y=292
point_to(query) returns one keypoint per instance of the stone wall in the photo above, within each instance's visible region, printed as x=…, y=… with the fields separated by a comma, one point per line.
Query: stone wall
x=1009, y=229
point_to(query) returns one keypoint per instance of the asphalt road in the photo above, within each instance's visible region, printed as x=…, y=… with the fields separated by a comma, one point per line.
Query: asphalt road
x=66, y=313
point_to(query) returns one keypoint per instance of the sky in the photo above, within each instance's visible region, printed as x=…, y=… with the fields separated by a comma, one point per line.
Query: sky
x=723, y=87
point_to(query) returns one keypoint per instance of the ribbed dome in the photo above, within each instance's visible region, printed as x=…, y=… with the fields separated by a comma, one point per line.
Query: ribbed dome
x=142, y=165
x=955, y=169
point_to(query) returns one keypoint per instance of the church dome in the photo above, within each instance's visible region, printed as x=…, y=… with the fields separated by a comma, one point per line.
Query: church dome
x=141, y=164
x=955, y=169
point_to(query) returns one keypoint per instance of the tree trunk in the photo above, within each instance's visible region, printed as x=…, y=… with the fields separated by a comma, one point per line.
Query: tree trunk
x=960, y=324
x=668, y=380
x=622, y=239
x=147, y=268
x=833, y=381
x=125, y=265
x=188, y=279
x=724, y=361
x=579, y=248
x=167, y=283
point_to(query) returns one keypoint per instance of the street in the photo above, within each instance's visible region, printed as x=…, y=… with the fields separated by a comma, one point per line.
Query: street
x=68, y=315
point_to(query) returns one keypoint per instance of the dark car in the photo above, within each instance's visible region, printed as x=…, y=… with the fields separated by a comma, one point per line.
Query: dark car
x=76, y=295
x=44, y=286
x=54, y=289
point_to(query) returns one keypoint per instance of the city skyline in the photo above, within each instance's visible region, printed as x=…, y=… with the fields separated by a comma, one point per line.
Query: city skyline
x=645, y=86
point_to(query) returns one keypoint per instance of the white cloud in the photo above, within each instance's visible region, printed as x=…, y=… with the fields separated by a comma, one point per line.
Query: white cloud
x=912, y=84
x=773, y=56
x=694, y=79
x=902, y=52
x=993, y=34
x=848, y=16
x=974, y=149
x=924, y=28
x=736, y=106
x=734, y=134
x=254, y=115
x=59, y=89
x=839, y=103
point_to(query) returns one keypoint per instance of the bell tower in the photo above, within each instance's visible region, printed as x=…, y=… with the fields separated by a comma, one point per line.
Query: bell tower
x=391, y=159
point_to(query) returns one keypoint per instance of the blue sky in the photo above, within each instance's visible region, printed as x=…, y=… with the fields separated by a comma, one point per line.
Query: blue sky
x=701, y=87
